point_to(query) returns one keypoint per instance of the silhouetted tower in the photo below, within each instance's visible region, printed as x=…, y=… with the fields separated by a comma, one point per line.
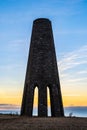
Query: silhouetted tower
x=42, y=71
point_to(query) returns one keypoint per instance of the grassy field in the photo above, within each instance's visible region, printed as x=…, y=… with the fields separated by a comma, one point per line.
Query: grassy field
x=8, y=122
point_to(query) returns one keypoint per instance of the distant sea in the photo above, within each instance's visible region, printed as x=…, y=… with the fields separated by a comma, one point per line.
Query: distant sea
x=68, y=111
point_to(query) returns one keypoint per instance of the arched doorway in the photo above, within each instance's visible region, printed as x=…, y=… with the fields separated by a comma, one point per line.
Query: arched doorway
x=35, y=102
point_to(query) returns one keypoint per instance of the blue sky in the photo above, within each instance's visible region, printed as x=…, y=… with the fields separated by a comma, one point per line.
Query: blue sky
x=69, y=19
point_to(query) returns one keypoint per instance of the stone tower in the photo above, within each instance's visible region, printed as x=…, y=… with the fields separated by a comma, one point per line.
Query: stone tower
x=42, y=71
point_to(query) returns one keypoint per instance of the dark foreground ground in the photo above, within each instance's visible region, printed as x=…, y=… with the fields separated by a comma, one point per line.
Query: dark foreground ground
x=8, y=122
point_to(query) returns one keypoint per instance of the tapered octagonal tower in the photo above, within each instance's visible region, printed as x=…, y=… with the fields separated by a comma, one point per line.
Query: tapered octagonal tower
x=42, y=71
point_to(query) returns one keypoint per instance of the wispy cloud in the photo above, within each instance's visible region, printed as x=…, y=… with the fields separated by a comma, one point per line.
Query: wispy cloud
x=65, y=32
x=71, y=95
x=73, y=59
x=72, y=66
x=17, y=45
x=46, y=8
x=73, y=1
x=8, y=106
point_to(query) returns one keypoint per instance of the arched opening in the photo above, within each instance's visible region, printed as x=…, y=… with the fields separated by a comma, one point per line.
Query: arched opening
x=35, y=102
x=48, y=101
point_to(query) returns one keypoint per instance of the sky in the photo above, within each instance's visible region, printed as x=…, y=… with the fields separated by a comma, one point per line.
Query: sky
x=69, y=23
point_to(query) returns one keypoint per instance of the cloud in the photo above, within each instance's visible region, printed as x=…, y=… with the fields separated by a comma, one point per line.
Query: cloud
x=73, y=59
x=71, y=95
x=77, y=107
x=82, y=72
x=9, y=107
x=65, y=32
x=72, y=66
x=73, y=1
x=17, y=45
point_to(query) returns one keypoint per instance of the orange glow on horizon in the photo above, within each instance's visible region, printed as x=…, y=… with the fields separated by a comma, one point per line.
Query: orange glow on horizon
x=68, y=100
x=10, y=98
x=74, y=101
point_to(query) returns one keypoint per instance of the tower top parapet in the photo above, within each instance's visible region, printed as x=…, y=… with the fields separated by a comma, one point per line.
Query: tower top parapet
x=41, y=20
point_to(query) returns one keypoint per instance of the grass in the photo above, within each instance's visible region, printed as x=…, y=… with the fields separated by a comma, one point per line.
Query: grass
x=13, y=122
